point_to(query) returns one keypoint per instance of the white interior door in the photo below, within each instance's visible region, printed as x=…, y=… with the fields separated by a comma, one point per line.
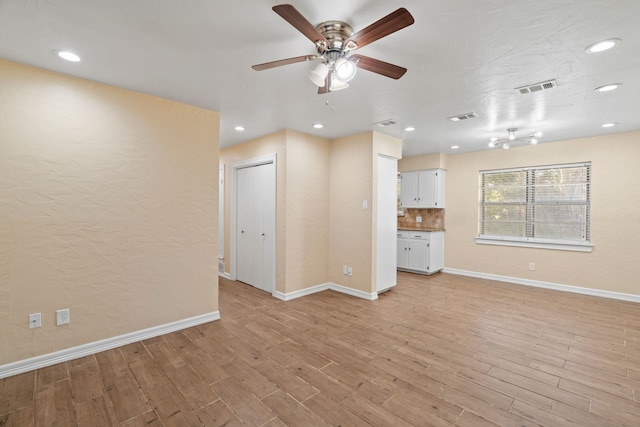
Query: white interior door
x=245, y=214
x=255, y=226
x=387, y=223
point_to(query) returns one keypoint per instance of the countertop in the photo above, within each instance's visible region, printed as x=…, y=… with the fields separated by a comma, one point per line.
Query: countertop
x=419, y=229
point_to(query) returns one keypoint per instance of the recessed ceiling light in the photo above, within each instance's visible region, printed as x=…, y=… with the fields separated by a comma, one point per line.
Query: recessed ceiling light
x=455, y=147
x=607, y=88
x=318, y=125
x=601, y=46
x=66, y=55
x=239, y=128
x=409, y=129
x=609, y=125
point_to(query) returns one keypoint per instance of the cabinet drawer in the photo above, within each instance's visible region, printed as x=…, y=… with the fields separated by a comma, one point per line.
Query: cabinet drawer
x=419, y=235
x=403, y=234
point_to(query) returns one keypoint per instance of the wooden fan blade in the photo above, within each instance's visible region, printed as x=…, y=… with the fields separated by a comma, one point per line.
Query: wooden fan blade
x=281, y=62
x=383, y=27
x=295, y=18
x=379, y=67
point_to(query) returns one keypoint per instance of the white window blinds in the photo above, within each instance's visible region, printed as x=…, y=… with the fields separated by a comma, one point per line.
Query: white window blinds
x=546, y=203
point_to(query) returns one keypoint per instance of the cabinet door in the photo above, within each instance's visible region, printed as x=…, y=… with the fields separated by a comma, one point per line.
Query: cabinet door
x=431, y=189
x=409, y=190
x=428, y=189
x=403, y=252
x=419, y=254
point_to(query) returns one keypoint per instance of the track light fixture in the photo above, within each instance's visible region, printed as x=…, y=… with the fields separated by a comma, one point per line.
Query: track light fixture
x=511, y=137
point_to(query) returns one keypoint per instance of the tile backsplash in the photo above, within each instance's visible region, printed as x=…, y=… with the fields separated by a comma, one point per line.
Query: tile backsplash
x=432, y=219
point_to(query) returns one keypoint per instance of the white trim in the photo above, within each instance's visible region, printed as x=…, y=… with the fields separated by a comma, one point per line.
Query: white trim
x=302, y=292
x=326, y=287
x=49, y=359
x=225, y=275
x=221, y=182
x=354, y=292
x=557, y=245
x=547, y=285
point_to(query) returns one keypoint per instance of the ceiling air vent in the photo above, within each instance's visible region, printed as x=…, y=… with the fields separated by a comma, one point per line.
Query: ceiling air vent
x=388, y=122
x=463, y=117
x=536, y=87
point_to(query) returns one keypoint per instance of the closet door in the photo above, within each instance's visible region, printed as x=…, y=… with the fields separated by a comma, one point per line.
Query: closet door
x=264, y=243
x=245, y=213
x=256, y=216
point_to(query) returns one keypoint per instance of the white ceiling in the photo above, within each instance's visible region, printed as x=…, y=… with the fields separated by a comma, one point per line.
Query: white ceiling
x=462, y=56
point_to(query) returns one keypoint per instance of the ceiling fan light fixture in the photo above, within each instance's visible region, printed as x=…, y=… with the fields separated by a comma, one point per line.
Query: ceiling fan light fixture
x=505, y=146
x=345, y=69
x=318, y=74
x=338, y=84
x=511, y=134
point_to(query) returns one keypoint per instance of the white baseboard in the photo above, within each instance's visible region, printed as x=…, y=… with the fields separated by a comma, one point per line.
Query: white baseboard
x=302, y=292
x=107, y=344
x=225, y=275
x=546, y=285
x=354, y=292
x=325, y=287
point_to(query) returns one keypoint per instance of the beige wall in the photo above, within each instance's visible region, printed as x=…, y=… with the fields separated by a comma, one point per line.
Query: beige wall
x=307, y=214
x=321, y=223
x=351, y=234
x=108, y=206
x=274, y=144
x=302, y=205
x=428, y=161
x=615, y=215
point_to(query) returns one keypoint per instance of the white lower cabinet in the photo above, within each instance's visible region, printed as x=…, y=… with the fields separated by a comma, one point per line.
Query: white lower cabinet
x=421, y=251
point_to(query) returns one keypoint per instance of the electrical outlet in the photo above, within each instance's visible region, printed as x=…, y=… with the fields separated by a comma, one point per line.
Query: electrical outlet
x=532, y=266
x=35, y=320
x=349, y=271
x=344, y=270
x=62, y=317
x=418, y=218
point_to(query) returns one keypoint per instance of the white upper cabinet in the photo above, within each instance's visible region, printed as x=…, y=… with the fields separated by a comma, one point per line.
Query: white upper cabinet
x=422, y=189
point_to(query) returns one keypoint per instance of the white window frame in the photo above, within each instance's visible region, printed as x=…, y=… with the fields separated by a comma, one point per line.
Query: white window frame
x=530, y=241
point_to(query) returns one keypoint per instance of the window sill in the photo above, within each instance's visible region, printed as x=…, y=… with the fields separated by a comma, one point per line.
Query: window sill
x=540, y=244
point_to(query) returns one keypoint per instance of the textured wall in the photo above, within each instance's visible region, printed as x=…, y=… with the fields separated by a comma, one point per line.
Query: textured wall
x=302, y=206
x=428, y=161
x=351, y=235
x=615, y=215
x=108, y=207
x=265, y=146
x=307, y=215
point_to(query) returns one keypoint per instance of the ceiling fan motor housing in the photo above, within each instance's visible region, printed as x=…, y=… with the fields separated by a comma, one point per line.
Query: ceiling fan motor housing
x=336, y=33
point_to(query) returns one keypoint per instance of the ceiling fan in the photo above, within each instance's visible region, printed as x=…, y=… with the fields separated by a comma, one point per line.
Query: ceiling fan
x=334, y=40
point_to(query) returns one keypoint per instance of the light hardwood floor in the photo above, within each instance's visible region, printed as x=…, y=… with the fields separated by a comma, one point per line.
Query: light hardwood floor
x=440, y=350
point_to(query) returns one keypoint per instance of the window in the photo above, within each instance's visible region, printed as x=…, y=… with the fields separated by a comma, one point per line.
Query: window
x=544, y=206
